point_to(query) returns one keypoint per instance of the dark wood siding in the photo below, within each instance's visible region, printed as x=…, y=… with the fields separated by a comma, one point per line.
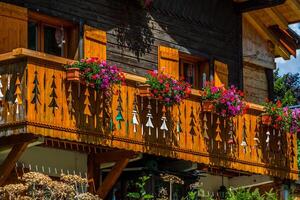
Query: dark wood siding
x=207, y=27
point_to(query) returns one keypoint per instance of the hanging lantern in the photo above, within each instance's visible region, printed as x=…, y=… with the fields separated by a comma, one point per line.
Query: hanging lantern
x=222, y=191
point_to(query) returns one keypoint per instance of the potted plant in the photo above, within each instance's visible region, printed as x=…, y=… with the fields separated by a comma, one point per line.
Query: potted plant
x=266, y=119
x=165, y=88
x=210, y=96
x=231, y=103
x=144, y=90
x=95, y=73
x=73, y=74
x=273, y=114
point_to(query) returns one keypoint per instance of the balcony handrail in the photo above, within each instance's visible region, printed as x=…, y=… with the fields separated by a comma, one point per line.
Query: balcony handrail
x=23, y=52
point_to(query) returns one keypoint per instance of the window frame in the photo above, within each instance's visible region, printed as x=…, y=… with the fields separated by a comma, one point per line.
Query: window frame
x=42, y=20
x=197, y=61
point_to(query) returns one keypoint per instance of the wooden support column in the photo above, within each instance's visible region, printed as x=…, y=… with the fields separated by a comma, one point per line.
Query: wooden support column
x=93, y=173
x=112, y=178
x=10, y=161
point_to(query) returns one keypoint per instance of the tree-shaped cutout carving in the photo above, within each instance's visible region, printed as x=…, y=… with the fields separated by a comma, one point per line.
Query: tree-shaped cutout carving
x=18, y=100
x=135, y=120
x=149, y=116
x=218, y=138
x=292, y=148
x=70, y=101
x=256, y=136
x=192, y=123
x=178, y=123
x=87, y=104
x=1, y=87
x=119, y=116
x=36, y=92
x=53, y=96
x=205, y=128
x=231, y=140
x=244, y=136
x=163, y=126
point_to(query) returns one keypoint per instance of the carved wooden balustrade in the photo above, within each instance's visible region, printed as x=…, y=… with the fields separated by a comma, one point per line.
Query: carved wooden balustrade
x=36, y=98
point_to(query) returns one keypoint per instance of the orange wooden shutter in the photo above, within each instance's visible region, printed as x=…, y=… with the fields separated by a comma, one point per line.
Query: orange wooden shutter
x=168, y=61
x=94, y=43
x=13, y=23
x=220, y=74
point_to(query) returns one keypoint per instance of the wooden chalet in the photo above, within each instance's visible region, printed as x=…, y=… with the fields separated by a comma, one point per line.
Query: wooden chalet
x=46, y=121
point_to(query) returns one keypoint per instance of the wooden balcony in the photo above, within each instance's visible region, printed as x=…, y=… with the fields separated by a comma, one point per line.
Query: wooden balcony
x=48, y=105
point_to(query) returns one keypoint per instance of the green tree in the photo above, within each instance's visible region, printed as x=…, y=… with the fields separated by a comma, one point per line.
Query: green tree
x=287, y=88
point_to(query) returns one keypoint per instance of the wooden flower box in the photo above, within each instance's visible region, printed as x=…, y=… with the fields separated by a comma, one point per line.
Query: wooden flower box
x=73, y=74
x=266, y=119
x=208, y=106
x=144, y=90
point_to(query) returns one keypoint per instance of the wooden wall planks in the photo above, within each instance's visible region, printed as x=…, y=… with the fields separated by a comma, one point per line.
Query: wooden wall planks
x=134, y=35
x=255, y=49
x=255, y=84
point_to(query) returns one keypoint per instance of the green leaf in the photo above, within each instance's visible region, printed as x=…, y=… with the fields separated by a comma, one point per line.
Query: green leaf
x=134, y=195
x=148, y=196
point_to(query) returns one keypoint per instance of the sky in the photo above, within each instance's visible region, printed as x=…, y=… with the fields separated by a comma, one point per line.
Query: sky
x=292, y=65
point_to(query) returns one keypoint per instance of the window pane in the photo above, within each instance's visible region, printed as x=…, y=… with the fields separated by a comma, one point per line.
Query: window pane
x=52, y=40
x=32, y=36
x=189, y=73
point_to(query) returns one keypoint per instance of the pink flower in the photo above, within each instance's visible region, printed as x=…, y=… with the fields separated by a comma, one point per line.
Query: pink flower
x=214, y=89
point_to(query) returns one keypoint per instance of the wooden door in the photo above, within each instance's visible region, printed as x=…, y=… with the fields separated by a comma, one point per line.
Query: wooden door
x=168, y=61
x=94, y=43
x=13, y=31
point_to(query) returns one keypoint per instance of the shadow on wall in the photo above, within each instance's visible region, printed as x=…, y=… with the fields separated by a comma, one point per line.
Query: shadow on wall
x=134, y=31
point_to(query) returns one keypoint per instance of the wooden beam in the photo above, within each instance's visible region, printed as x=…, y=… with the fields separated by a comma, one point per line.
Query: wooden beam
x=113, y=156
x=277, y=17
x=112, y=178
x=295, y=5
x=93, y=173
x=267, y=35
x=247, y=6
x=17, y=139
x=10, y=161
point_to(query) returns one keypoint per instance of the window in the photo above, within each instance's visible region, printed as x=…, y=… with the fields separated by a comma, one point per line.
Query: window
x=195, y=70
x=32, y=36
x=51, y=35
